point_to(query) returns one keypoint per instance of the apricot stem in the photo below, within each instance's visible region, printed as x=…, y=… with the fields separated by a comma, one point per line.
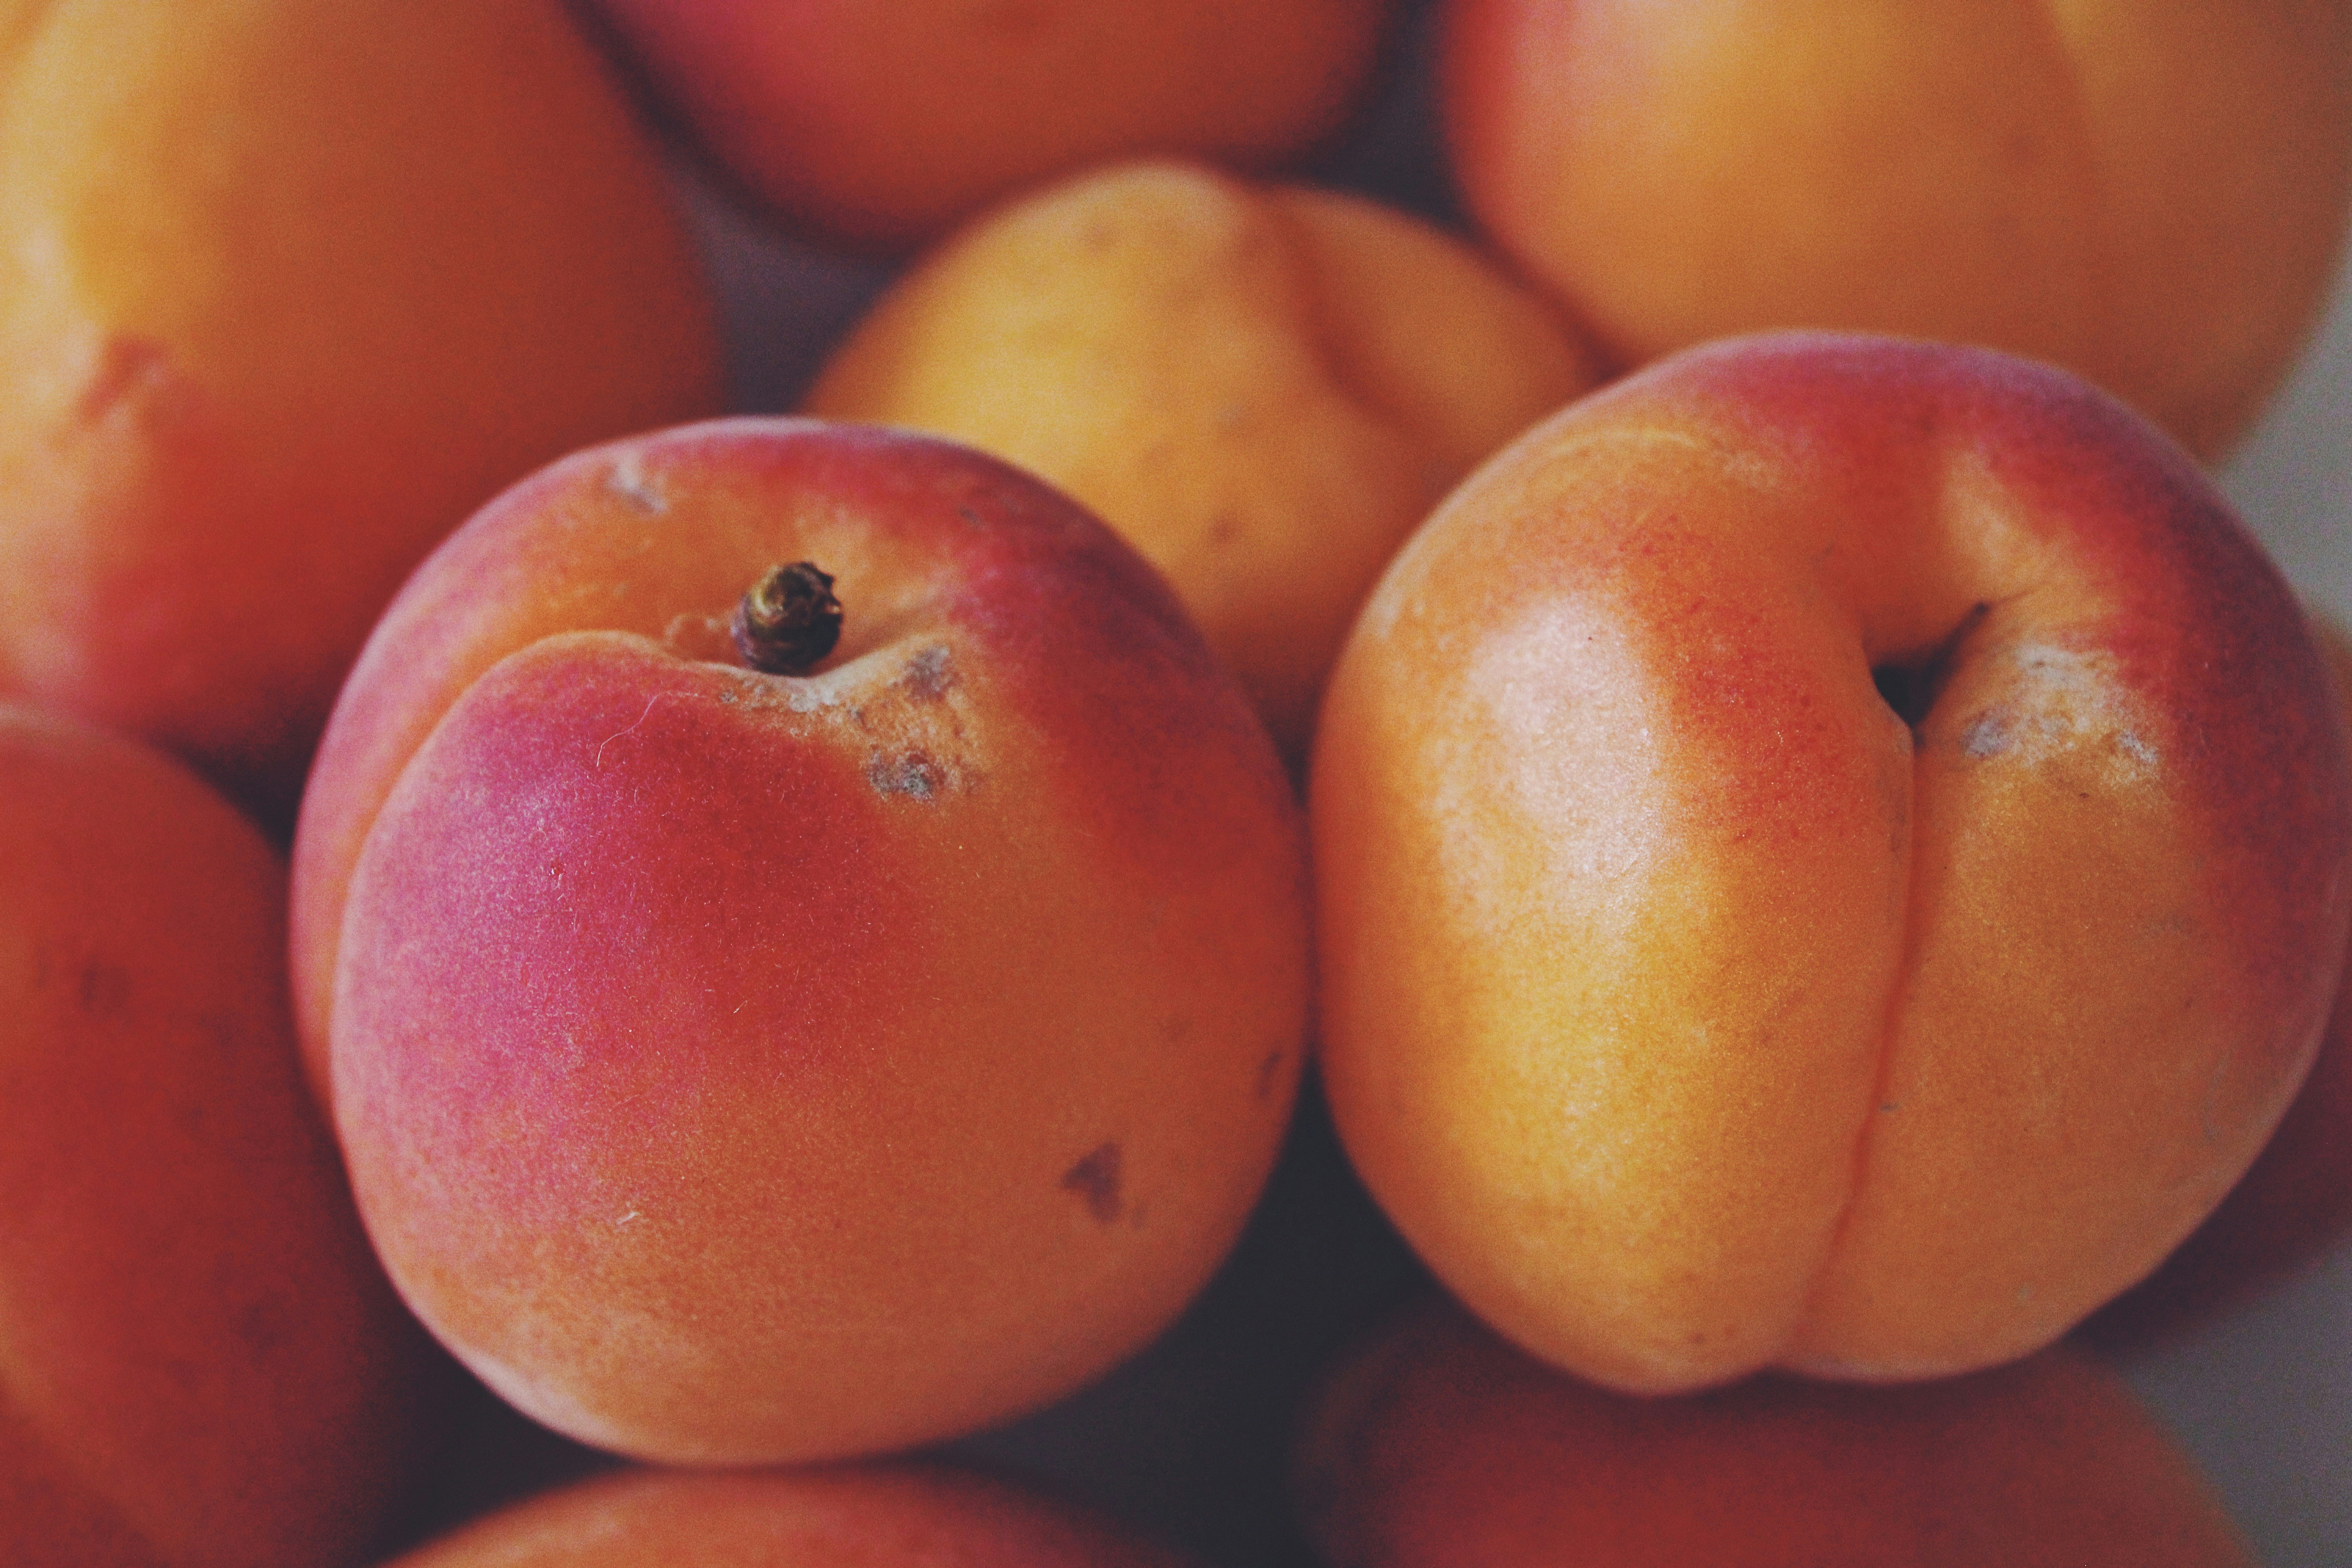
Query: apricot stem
x=788, y=620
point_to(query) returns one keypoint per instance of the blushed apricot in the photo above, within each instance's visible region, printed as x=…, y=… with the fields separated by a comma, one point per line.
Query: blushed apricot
x=738, y=1065
x=1830, y=854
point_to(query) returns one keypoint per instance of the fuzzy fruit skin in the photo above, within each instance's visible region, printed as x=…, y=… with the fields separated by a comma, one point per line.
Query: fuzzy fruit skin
x=871, y=1516
x=289, y=288
x=739, y=1068
x=1262, y=387
x=1436, y=1445
x=2293, y=1204
x=2151, y=194
x=881, y=126
x=1731, y=1022
x=201, y=1363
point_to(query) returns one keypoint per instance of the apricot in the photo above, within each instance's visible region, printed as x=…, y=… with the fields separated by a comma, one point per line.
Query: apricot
x=200, y=1360
x=2151, y=195
x=1263, y=388
x=1437, y=1444
x=745, y=1060
x=883, y=126
x=288, y=287
x=1830, y=854
x=2293, y=1204
x=874, y=1516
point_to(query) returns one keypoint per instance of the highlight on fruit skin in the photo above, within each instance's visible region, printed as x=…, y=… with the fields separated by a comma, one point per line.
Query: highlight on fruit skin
x=737, y=1068
x=1436, y=1445
x=1691, y=1010
x=904, y=1515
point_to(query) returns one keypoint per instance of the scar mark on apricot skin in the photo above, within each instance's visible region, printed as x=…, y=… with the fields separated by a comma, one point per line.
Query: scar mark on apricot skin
x=930, y=674
x=628, y=479
x=912, y=774
x=1985, y=736
x=1096, y=1179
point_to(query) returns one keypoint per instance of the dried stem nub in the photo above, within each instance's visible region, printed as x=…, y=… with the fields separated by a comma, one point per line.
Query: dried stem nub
x=788, y=620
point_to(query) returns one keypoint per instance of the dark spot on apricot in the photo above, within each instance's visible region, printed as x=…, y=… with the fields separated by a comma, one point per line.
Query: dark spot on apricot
x=1987, y=735
x=912, y=773
x=1096, y=1179
x=104, y=988
x=929, y=674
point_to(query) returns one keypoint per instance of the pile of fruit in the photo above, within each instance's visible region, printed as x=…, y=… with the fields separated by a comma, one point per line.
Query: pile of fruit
x=1486, y=782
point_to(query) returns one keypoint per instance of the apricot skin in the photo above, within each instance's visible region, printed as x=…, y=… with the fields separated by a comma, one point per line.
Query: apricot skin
x=2293, y=1204
x=288, y=290
x=881, y=126
x=1437, y=1446
x=875, y=1516
x=742, y=1068
x=1732, y=1021
x=1263, y=388
x=201, y=1363
x=2152, y=196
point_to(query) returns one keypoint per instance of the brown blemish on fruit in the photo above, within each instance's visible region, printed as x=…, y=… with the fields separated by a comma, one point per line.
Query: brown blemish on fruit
x=1987, y=734
x=911, y=774
x=929, y=674
x=1096, y=1179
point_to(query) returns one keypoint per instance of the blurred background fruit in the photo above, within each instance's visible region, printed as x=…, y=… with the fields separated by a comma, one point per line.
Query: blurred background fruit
x=201, y=1361
x=286, y=288
x=2150, y=195
x=1262, y=387
x=879, y=125
x=1435, y=1445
